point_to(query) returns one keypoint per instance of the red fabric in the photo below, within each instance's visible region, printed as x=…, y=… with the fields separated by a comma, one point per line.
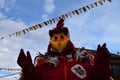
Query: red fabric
x=62, y=71
x=41, y=62
x=100, y=71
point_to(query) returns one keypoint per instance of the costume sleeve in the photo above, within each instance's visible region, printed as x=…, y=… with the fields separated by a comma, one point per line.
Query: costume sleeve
x=28, y=75
x=101, y=67
x=101, y=71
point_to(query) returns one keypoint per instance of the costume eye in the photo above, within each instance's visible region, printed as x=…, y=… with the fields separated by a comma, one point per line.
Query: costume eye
x=62, y=37
x=55, y=37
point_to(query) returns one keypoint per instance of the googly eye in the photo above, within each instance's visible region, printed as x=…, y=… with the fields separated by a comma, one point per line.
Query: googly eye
x=55, y=38
x=62, y=37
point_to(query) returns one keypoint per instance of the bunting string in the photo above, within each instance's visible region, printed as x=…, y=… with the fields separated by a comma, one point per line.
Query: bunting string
x=54, y=20
x=10, y=75
x=10, y=69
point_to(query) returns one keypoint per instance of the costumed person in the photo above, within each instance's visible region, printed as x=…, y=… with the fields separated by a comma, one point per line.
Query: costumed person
x=63, y=61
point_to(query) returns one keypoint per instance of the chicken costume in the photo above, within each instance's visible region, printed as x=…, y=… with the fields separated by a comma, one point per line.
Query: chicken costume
x=64, y=62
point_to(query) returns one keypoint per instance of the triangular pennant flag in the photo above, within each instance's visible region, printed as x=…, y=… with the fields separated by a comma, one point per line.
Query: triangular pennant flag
x=39, y=25
x=84, y=9
x=45, y=23
x=34, y=28
x=24, y=32
x=80, y=10
x=110, y=0
x=91, y=5
x=53, y=20
x=77, y=12
x=66, y=15
x=70, y=14
x=100, y=2
x=57, y=19
x=10, y=35
x=42, y=24
x=63, y=16
x=2, y=38
x=27, y=30
x=95, y=3
x=18, y=33
x=104, y=0
x=31, y=28
x=50, y=21
x=73, y=12
x=88, y=7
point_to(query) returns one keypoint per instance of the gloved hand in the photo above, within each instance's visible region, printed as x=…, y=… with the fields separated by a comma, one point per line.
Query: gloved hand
x=102, y=53
x=25, y=62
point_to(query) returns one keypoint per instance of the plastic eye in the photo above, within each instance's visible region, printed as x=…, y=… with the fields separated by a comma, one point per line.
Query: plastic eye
x=55, y=37
x=62, y=37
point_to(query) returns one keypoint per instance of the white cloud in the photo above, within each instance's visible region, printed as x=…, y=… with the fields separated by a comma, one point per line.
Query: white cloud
x=6, y=5
x=8, y=26
x=2, y=16
x=2, y=3
x=45, y=16
x=48, y=7
x=33, y=41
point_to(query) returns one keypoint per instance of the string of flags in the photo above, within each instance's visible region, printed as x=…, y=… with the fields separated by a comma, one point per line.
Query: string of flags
x=10, y=75
x=10, y=69
x=54, y=20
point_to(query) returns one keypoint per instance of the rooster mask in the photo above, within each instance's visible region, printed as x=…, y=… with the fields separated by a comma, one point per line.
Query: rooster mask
x=59, y=37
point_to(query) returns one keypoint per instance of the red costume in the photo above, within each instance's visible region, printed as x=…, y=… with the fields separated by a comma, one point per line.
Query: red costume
x=63, y=62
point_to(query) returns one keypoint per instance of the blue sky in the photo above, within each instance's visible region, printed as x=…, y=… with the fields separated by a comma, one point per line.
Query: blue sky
x=96, y=26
